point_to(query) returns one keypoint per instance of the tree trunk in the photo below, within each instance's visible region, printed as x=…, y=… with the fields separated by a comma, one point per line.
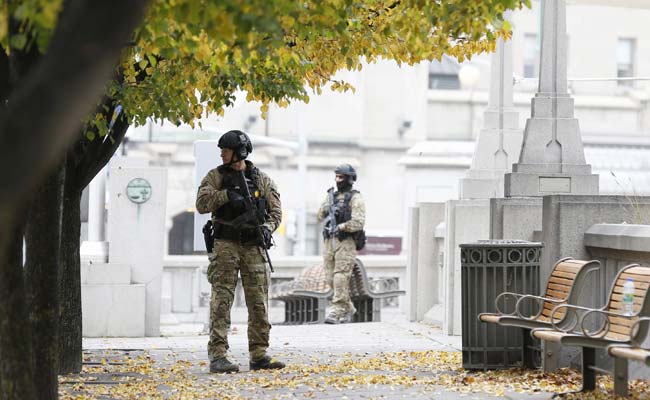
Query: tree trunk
x=70, y=358
x=42, y=239
x=44, y=111
x=15, y=331
x=83, y=162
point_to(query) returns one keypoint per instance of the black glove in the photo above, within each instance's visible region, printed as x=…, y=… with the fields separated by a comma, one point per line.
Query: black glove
x=267, y=237
x=340, y=235
x=236, y=199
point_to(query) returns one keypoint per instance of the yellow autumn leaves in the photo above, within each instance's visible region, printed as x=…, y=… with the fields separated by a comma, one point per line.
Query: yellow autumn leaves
x=424, y=373
x=191, y=57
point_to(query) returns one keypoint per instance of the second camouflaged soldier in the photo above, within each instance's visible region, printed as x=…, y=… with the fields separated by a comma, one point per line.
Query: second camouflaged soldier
x=237, y=249
x=344, y=235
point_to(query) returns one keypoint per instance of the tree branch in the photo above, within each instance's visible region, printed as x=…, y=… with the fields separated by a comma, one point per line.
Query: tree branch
x=96, y=159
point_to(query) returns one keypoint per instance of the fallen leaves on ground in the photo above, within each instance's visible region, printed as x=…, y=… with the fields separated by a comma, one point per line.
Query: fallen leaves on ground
x=142, y=377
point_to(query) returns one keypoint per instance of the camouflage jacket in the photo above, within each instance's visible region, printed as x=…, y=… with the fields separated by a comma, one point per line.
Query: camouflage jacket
x=210, y=196
x=357, y=206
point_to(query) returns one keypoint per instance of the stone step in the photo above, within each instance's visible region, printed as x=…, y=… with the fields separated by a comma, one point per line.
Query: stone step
x=105, y=274
x=113, y=310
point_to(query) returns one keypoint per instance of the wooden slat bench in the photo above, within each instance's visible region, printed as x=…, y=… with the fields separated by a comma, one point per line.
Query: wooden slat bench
x=617, y=328
x=306, y=297
x=622, y=354
x=567, y=276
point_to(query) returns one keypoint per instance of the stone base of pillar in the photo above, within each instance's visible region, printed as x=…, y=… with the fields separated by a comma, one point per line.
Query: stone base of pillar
x=94, y=252
x=480, y=188
x=526, y=184
x=481, y=184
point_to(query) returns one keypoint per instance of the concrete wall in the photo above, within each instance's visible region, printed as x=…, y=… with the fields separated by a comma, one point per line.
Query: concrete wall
x=567, y=218
x=515, y=218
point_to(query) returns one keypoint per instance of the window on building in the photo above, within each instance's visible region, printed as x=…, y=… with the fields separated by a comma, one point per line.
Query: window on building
x=625, y=60
x=443, y=74
x=531, y=54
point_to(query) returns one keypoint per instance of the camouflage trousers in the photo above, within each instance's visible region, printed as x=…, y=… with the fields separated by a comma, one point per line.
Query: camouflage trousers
x=338, y=266
x=227, y=261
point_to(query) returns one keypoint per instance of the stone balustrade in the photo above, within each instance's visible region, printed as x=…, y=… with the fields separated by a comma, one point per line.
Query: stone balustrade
x=185, y=288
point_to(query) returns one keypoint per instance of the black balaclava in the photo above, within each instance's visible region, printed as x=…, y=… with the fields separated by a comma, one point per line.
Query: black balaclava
x=344, y=185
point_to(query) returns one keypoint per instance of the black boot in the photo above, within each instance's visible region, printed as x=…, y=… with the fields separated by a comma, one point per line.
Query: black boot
x=223, y=365
x=266, y=362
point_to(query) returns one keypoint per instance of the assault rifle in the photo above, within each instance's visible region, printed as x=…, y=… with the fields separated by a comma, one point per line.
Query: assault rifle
x=330, y=224
x=258, y=216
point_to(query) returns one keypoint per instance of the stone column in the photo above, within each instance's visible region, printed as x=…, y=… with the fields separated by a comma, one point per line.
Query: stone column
x=552, y=158
x=499, y=142
x=95, y=249
x=498, y=146
x=96, y=207
x=412, y=263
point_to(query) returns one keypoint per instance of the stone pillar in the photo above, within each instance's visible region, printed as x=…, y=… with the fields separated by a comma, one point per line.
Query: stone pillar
x=423, y=259
x=552, y=158
x=412, y=263
x=499, y=142
x=466, y=221
x=136, y=231
x=431, y=215
x=95, y=249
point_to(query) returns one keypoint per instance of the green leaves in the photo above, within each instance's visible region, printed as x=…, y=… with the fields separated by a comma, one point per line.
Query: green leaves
x=18, y=41
x=35, y=19
x=190, y=57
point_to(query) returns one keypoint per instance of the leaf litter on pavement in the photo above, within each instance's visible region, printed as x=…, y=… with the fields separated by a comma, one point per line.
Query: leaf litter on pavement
x=140, y=376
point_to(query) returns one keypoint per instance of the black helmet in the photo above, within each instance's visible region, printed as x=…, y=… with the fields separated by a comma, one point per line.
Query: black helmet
x=237, y=141
x=346, y=169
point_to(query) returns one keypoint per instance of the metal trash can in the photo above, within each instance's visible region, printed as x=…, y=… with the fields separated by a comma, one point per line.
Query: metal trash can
x=488, y=268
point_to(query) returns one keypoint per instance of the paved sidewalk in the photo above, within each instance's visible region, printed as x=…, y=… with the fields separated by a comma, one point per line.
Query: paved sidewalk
x=385, y=360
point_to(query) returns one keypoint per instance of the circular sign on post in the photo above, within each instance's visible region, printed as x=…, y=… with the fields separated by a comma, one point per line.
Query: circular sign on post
x=138, y=190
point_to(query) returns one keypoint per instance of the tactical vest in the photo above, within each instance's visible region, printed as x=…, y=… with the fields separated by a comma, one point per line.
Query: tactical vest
x=343, y=204
x=344, y=213
x=224, y=215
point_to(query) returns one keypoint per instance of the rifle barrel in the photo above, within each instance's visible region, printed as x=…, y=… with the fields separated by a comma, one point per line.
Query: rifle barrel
x=258, y=228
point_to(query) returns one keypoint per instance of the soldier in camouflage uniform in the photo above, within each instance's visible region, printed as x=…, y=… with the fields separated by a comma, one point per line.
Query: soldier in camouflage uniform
x=340, y=248
x=237, y=249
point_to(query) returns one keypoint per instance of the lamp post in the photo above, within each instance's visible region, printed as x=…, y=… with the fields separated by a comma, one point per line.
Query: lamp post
x=468, y=75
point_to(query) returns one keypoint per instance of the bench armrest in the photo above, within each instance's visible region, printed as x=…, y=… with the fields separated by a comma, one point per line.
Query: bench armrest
x=540, y=301
x=569, y=307
x=605, y=330
x=633, y=330
x=505, y=294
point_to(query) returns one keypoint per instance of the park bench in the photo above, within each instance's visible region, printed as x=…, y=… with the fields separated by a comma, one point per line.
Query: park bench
x=306, y=297
x=616, y=328
x=622, y=354
x=567, y=276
